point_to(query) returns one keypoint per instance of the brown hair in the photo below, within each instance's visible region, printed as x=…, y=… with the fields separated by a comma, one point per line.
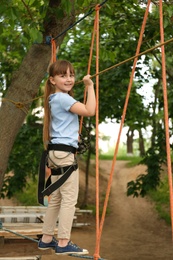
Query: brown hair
x=57, y=68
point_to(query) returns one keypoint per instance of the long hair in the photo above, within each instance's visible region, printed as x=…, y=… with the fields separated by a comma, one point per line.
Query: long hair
x=58, y=67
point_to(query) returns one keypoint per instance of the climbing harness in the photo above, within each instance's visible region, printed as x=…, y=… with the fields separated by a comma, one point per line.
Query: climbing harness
x=46, y=188
x=84, y=141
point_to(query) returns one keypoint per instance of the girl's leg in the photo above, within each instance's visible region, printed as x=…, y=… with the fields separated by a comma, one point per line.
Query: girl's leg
x=69, y=193
x=51, y=216
x=61, y=159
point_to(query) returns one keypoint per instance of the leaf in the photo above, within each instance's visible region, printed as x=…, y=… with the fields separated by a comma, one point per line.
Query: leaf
x=67, y=5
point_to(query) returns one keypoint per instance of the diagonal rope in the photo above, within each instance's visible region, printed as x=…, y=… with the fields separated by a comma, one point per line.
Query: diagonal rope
x=165, y=97
x=21, y=104
x=17, y=234
x=97, y=247
x=122, y=120
x=71, y=26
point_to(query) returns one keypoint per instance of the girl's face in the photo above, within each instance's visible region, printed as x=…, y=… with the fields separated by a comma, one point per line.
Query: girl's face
x=63, y=82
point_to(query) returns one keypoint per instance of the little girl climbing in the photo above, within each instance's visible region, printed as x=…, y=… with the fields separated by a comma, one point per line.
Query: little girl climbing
x=60, y=136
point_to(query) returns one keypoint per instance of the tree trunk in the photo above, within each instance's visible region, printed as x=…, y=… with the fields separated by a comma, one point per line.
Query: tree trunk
x=141, y=144
x=130, y=135
x=25, y=84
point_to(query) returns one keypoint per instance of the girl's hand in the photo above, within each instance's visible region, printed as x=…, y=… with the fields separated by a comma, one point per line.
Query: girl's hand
x=87, y=80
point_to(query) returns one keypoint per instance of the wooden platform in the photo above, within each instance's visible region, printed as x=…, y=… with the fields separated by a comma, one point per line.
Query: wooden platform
x=28, y=221
x=21, y=258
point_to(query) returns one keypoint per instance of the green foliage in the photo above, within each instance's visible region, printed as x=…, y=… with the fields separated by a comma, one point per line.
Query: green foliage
x=28, y=196
x=154, y=159
x=21, y=25
x=161, y=197
x=24, y=158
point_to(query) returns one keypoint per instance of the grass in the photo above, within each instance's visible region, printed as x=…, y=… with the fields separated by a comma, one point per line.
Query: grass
x=161, y=200
x=28, y=197
x=132, y=160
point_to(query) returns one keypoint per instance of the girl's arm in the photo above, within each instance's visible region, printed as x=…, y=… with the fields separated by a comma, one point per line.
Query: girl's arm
x=89, y=108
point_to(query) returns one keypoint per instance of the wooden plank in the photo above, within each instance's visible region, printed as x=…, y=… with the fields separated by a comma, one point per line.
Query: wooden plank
x=28, y=220
x=21, y=218
x=22, y=209
x=34, y=209
x=28, y=229
x=22, y=258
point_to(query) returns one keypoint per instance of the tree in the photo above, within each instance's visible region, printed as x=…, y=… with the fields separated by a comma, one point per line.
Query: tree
x=33, y=22
x=119, y=32
x=26, y=81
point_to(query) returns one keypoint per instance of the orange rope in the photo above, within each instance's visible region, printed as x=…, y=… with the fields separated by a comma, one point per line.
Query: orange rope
x=122, y=121
x=88, y=71
x=166, y=113
x=105, y=70
x=131, y=58
x=53, y=44
x=97, y=248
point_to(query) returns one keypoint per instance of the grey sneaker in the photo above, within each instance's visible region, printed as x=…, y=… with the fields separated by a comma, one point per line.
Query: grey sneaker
x=69, y=249
x=44, y=246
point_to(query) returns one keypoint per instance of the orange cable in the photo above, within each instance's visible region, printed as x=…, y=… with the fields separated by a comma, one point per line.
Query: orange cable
x=53, y=44
x=131, y=58
x=166, y=113
x=122, y=120
x=97, y=248
x=88, y=71
x=105, y=70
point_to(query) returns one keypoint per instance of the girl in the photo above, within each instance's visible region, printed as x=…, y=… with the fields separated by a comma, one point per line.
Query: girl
x=60, y=136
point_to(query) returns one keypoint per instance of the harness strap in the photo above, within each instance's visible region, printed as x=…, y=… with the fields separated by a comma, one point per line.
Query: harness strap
x=54, y=186
x=41, y=177
x=66, y=171
x=61, y=147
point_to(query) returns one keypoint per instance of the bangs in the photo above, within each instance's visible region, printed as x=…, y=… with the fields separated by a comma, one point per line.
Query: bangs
x=60, y=67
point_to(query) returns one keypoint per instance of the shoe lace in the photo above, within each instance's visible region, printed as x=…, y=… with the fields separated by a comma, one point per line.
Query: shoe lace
x=74, y=245
x=54, y=239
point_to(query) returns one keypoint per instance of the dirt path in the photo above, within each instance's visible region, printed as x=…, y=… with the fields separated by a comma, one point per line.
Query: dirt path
x=134, y=227
x=132, y=231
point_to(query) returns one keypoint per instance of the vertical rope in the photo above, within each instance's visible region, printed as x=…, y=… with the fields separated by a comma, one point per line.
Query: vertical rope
x=166, y=113
x=53, y=45
x=88, y=71
x=97, y=248
x=122, y=121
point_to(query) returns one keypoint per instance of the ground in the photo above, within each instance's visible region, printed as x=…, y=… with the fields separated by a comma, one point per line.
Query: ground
x=132, y=229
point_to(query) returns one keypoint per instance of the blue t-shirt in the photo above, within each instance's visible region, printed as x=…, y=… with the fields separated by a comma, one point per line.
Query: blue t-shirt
x=64, y=126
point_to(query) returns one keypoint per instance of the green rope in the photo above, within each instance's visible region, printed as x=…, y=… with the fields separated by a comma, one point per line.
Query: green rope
x=17, y=234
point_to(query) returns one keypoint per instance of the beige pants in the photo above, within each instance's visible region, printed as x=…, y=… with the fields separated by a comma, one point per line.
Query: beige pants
x=63, y=200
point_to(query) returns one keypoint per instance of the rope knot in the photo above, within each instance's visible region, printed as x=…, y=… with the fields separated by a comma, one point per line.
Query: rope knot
x=96, y=256
x=97, y=7
x=19, y=105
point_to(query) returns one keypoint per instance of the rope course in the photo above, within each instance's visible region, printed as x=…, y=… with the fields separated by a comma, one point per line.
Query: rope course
x=21, y=105
x=100, y=223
